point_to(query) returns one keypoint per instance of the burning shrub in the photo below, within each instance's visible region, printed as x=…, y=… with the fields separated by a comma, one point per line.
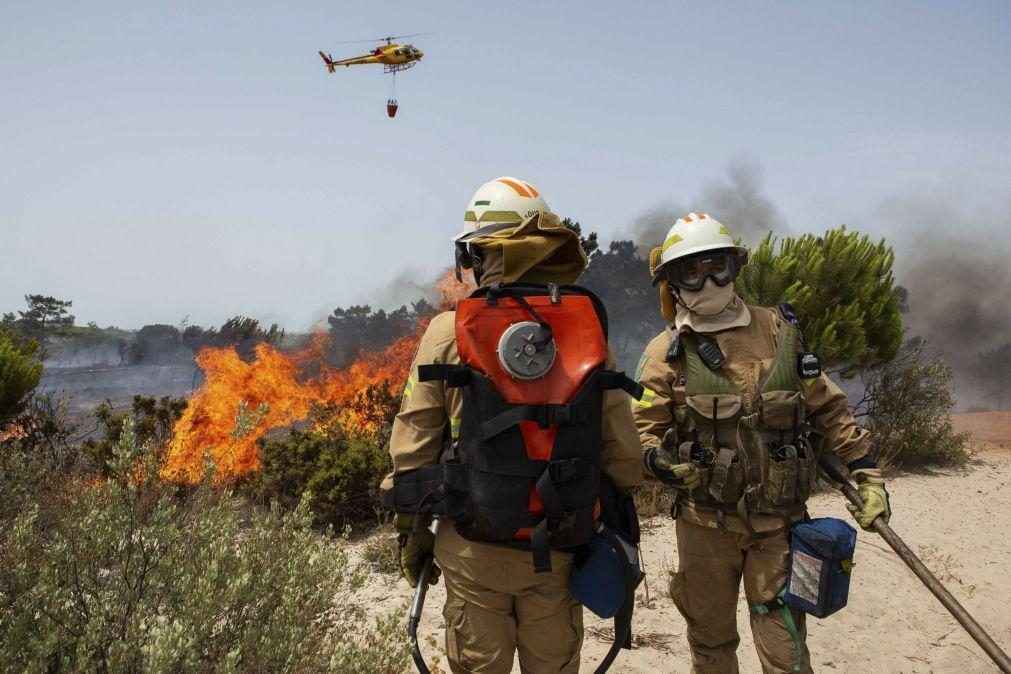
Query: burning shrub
x=907, y=406
x=124, y=575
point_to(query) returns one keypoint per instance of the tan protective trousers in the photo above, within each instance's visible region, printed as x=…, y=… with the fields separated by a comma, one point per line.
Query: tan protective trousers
x=705, y=589
x=496, y=605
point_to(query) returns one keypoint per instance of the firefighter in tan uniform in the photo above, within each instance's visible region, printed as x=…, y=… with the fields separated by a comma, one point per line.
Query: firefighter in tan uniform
x=731, y=407
x=497, y=603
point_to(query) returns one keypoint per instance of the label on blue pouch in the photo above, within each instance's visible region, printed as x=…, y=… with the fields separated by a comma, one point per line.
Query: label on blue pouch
x=805, y=577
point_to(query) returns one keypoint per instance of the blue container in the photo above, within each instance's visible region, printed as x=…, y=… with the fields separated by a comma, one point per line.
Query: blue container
x=821, y=559
x=599, y=584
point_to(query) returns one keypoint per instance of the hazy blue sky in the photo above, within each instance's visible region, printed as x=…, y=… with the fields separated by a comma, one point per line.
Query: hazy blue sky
x=159, y=160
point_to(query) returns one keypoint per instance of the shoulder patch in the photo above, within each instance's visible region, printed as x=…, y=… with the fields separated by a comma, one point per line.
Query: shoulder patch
x=642, y=363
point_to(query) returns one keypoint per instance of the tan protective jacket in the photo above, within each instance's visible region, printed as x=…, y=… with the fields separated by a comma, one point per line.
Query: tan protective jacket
x=750, y=352
x=428, y=408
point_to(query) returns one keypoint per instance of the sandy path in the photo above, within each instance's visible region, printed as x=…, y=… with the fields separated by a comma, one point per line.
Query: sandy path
x=958, y=521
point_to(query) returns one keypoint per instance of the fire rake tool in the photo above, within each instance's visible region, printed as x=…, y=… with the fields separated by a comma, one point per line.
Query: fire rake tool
x=974, y=629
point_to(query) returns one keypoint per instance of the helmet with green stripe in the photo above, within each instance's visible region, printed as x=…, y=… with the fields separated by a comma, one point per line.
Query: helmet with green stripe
x=503, y=202
x=693, y=235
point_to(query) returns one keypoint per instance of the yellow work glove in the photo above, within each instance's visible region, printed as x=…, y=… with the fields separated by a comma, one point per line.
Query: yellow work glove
x=417, y=544
x=661, y=462
x=874, y=495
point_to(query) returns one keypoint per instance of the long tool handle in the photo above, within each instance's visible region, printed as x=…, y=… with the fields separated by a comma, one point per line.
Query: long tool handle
x=974, y=629
x=414, y=616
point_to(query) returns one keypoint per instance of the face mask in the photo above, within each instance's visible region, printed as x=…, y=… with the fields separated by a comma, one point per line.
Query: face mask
x=709, y=301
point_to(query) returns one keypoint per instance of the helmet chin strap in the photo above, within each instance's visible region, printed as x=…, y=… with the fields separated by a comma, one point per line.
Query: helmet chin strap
x=677, y=296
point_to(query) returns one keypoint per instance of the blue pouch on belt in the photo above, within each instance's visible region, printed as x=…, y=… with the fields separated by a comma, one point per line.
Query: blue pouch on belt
x=599, y=583
x=821, y=558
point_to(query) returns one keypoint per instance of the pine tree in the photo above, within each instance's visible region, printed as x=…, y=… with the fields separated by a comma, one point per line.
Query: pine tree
x=45, y=316
x=842, y=288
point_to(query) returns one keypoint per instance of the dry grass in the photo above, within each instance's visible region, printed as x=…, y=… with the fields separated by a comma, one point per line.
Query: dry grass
x=659, y=641
x=381, y=551
x=437, y=654
x=653, y=499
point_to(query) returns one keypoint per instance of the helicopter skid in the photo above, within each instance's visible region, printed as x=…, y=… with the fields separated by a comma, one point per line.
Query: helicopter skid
x=397, y=67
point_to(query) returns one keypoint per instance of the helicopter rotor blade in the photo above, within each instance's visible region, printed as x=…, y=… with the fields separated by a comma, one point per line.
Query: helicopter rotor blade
x=383, y=39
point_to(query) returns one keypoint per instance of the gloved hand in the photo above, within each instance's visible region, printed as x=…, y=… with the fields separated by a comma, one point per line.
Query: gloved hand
x=662, y=463
x=417, y=544
x=873, y=494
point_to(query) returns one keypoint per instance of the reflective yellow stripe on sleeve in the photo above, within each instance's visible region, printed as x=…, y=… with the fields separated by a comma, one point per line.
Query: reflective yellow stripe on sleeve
x=647, y=398
x=454, y=427
x=409, y=389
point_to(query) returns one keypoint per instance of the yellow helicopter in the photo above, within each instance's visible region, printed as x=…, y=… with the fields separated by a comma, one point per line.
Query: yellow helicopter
x=394, y=57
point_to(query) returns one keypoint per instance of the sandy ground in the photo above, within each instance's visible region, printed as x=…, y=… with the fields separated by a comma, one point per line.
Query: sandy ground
x=958, y=521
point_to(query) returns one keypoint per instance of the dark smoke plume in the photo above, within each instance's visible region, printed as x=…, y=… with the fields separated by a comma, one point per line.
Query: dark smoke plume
x=735, y=200
x=650, y=228
x=956, y=271
x=739, y=203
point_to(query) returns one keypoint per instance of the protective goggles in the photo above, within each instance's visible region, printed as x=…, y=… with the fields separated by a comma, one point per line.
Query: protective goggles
x=691, y=273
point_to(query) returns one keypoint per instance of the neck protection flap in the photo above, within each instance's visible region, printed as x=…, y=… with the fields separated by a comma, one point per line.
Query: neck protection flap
x=538, y=250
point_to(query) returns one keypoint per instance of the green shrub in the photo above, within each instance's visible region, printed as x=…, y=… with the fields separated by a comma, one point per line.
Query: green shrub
x=125, y=575
x=151, y=421
x=339, y=460
x=907, y=407
x=20, y=370
x=340, y=472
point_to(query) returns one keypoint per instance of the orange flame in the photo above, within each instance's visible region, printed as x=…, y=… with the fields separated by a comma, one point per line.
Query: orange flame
x=15, y=432
x=240, y=402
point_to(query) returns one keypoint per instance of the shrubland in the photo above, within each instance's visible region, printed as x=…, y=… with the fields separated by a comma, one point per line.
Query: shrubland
x=123, y=571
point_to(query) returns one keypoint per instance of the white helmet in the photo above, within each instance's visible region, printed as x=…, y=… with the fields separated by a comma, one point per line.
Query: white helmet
x=502, y=201
x=696, y=233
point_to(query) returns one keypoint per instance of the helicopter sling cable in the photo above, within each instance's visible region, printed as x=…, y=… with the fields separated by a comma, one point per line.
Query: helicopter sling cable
x=391, y=103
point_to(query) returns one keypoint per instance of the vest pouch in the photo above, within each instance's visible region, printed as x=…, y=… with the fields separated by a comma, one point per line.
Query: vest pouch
x=780, y=483
x=727, y=408
x=726, y=483
x=821, y=561
x=715, y=418
x=690, y=452
x=807, y=470
x=781, y=410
